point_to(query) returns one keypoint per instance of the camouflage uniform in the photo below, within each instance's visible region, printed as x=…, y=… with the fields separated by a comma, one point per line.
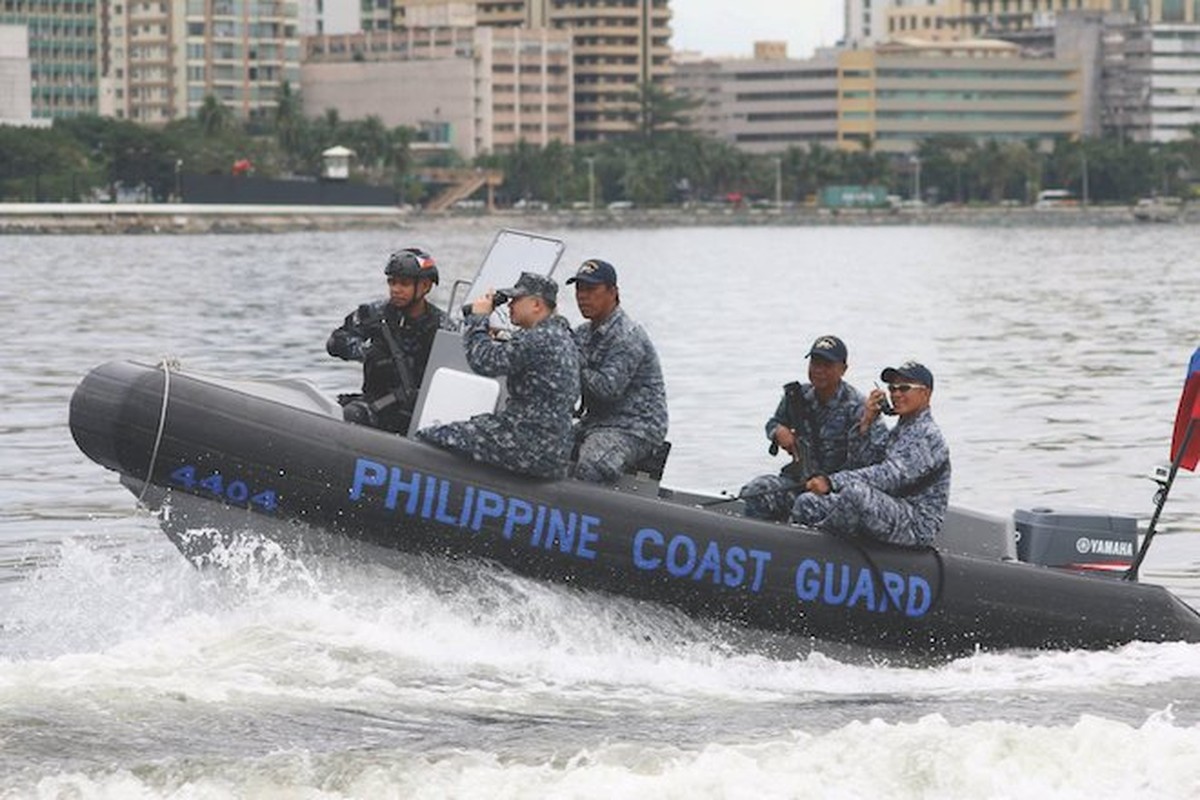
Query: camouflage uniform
x=825, y=430
x=900, y=497
x=532, y=434
x=624, y=398
x=361, y=338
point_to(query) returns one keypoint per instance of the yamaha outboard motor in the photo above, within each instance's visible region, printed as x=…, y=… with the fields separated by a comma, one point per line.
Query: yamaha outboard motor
x=1083, y=541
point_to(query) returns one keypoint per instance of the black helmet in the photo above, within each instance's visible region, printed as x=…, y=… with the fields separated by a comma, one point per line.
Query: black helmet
x=411, y=262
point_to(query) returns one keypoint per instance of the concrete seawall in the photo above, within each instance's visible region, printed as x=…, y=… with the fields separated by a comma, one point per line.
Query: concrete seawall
x=93, y=218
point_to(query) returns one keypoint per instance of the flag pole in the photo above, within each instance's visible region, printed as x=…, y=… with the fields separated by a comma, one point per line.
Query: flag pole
x=1160, y=500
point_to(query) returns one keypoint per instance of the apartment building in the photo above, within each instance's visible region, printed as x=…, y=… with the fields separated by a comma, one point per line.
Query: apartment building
x=320, y=17
x=478, y=90
x=62, y=52
x=161, y=58
x=949, y=19
x=895, y=95
x=617, y=46
x=763, y=104
x=866, y=21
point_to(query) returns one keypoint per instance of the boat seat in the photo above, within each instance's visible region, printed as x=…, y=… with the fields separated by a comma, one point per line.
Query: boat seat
x=454, y=396
x=652, y=466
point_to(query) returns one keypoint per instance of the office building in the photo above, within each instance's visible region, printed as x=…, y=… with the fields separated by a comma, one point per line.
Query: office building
x=763, y=104
x=895, y=95
x=888, y=98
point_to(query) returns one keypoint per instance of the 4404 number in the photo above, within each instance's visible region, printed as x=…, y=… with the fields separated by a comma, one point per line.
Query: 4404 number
x=235, y=492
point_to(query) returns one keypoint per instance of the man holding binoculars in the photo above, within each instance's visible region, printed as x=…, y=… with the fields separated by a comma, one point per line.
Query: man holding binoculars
x=532, y=434
x=392, y=339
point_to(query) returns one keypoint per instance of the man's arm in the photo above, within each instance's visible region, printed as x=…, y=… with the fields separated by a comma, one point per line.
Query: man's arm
x=909, y=458
x=348, y=342
x=489, y=356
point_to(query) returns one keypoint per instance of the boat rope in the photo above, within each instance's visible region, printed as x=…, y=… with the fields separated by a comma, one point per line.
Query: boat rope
x=167, y=364
x=877, y=573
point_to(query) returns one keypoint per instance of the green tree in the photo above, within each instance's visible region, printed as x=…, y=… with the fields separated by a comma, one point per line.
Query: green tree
x=215, y=117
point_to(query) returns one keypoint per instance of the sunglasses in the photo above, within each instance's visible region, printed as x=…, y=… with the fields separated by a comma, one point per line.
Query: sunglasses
x=904, y=388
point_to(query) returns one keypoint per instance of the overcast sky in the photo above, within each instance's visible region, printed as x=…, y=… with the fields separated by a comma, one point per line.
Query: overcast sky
x=730, y=27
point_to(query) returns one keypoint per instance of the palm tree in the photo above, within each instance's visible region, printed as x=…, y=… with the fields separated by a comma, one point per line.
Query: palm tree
x=215, y=117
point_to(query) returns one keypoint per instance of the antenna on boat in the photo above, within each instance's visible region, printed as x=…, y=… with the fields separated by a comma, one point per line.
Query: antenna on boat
x=1185, y=452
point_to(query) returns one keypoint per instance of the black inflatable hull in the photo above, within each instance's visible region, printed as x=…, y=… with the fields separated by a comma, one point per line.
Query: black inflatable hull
x=242, y=450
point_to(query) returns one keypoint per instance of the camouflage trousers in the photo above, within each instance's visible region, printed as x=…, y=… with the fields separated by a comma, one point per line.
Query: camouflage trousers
x=493, y=439
x=859, y=508
x=605, y=453
x=769, y=497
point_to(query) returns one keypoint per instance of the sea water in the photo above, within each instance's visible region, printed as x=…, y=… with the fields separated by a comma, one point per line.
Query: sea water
x=1059, y=355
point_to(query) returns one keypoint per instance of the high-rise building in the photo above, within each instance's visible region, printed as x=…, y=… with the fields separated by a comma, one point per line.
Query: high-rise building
x=62, y=53
x=958, y=19
x=1150, y=89
x=477, y=90
x=327, y=17
x=866, y=21
x=16, y=99
x=618, y=45
x=162, y=58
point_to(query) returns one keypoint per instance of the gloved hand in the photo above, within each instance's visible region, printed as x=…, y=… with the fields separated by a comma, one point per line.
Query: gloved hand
x=367, y=318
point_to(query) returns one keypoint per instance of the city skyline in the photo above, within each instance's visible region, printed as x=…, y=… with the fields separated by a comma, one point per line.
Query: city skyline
x=713, y=28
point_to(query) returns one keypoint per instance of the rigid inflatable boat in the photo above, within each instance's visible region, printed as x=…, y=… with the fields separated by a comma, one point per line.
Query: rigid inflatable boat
x=279, y=450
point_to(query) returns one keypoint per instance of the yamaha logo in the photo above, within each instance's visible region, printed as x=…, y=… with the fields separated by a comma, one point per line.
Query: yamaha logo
x=1103, y=547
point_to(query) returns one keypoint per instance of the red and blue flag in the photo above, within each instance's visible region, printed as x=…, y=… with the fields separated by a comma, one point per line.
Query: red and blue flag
x=1187, y=418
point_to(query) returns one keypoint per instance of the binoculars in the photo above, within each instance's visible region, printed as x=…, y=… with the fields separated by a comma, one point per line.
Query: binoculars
x=498, y=299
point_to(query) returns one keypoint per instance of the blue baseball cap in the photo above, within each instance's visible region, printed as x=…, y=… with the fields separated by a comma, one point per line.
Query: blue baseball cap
x=829, y=348
x=594, y=272
x=909, y=370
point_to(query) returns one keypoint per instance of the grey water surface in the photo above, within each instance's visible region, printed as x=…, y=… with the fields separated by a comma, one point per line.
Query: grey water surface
x=1059, y=355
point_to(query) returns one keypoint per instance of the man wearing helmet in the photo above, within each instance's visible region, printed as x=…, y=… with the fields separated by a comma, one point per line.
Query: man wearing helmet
x=392, y=339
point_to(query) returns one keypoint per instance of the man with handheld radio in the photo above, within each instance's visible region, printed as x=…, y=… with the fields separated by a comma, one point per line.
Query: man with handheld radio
x=896, y=490
x=392, y=339
x=812, y=424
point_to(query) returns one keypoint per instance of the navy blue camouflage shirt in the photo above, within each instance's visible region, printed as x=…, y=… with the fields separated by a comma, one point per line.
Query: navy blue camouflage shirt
x=532, y=433
x=621, y=377
x=912, y=463
x=825, y=428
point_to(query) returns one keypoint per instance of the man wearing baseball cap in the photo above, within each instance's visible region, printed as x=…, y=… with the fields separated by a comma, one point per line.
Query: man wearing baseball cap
x=624, y=411
x=901, y=490
x=812, y=424
x=532, y=433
